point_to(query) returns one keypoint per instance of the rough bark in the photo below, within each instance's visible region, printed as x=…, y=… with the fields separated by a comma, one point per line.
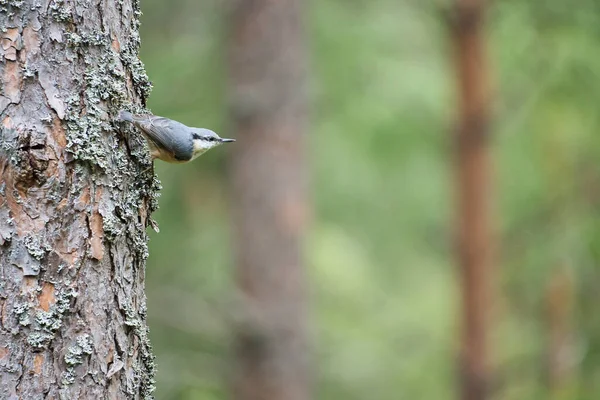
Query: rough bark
x=267, y=84
x=474, y=181
x=73, y=203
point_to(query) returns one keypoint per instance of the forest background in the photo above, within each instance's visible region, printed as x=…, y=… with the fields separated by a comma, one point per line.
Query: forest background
x=384, y=286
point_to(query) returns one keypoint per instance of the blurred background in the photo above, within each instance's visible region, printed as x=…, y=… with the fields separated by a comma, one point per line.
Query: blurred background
x=384, y=289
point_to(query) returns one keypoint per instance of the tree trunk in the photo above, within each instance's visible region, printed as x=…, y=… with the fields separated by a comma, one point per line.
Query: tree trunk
x=73, y=203
x=561, y=350
x=474, y=181
x=268, y=109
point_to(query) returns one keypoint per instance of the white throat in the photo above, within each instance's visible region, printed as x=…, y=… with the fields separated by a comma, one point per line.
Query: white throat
x=202, y=146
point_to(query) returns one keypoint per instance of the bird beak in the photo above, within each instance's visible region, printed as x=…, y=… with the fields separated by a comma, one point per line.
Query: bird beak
x=223, y=140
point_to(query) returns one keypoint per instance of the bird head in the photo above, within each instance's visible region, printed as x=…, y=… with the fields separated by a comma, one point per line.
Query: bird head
x=205, y=139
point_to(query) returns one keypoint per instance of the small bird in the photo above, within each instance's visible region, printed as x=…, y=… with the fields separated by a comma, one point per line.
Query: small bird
x=172, y=141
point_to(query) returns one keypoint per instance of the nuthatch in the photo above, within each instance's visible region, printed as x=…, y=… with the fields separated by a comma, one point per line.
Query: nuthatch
x=172, y=141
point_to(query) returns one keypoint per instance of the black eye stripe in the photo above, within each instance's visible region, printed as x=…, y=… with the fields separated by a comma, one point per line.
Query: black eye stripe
x=196, y=136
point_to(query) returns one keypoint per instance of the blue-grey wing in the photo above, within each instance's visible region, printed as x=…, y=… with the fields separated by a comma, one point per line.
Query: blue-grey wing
x=168, y=135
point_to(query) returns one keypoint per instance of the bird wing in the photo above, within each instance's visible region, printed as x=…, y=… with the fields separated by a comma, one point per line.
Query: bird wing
x=166, y=134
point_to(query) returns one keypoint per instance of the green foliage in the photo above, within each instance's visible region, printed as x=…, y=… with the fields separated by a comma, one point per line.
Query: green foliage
x=386, y=294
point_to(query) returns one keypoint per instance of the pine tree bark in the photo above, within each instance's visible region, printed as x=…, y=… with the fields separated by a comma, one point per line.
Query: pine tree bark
x=267, y=63
x=74, y=203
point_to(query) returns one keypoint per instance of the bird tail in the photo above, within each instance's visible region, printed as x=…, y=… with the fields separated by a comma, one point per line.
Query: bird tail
x=125, y=116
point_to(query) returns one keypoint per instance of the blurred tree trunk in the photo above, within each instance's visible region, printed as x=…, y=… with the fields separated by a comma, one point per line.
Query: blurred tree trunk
x=561, y=345
x=474, y=183
x=268, y=110
x=73, y=205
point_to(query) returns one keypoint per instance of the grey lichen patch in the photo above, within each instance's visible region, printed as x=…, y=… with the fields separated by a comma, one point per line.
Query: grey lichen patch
x=82, y=347
x=129, y=54
x=68, y=377
x=39, y=340
x=60, y=11
x=131, y=319
x=63, y=299
x=7, y=225
x=10, y=5
x=96, y=38
x=139, y=241
x=104, y=81
x=130, y=59
x=113, y=226
x=9, y=145
x=146, y=381
x=84, y=133
x=154, y=194
x=36, y=247
x=7, y=141
x=21, y=311
x=74, y=357
x=47, y=323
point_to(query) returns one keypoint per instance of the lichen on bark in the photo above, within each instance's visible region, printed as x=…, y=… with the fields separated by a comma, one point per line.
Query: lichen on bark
x=76, y=197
